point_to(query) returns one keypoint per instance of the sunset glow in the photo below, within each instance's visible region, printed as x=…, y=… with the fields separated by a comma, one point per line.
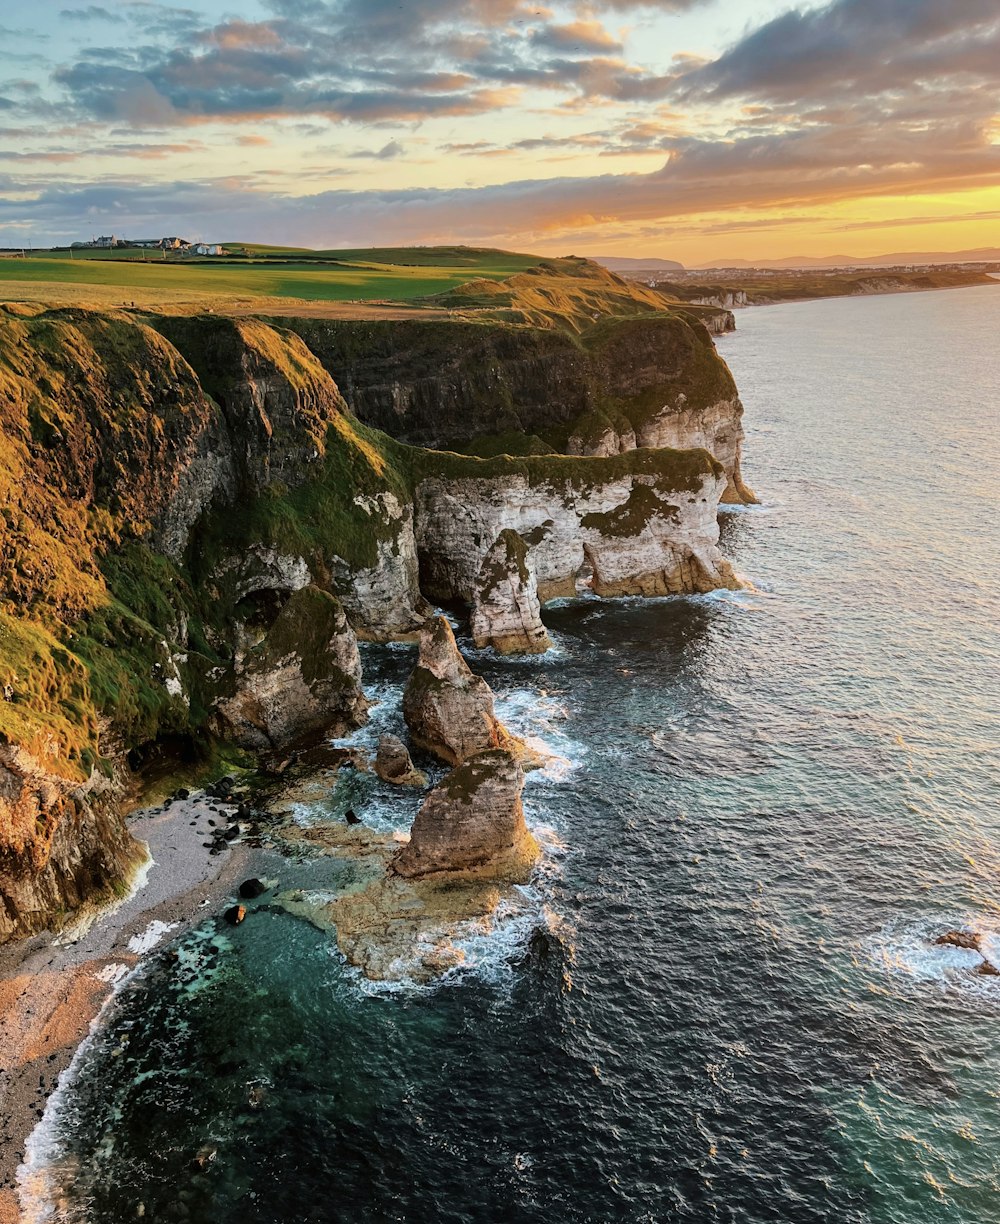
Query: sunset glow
x=699, y=130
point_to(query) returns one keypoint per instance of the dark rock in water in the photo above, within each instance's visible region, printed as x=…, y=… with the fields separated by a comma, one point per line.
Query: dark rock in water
x=232, y=833
x=252, y=888
x=352, y=817
x=987, y=969
x=183, y=793
x=204, y=1156
x=971, y=940
x=393, y=764
x=235, y=914
x=243, y=811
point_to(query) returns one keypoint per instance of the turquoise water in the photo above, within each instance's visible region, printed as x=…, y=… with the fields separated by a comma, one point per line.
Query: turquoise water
x=720, y=1001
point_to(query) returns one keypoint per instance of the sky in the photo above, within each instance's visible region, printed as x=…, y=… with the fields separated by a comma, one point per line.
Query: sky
x=697, y=130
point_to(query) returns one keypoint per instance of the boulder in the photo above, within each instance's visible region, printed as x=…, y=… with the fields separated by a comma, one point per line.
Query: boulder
x=506, y=613
x=448, y=709
x=250, y=889
x=472, y=821
x=303, y=680
x=393, y=763
x=961, y=939
x=235, y=914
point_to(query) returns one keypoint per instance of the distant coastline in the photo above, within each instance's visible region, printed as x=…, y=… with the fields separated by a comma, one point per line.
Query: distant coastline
x=736, y=288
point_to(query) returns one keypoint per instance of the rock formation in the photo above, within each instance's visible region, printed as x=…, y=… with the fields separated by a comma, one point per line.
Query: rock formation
x=393, y=763
x=505, y=611
x=642, y=532
x=63, y=841
x=449, y=709
x=184, y=505
x=301, y=681
x=472, y=821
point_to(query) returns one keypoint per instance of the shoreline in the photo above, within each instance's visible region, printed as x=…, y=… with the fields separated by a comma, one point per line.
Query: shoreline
x=852, y=297
x=53, y=986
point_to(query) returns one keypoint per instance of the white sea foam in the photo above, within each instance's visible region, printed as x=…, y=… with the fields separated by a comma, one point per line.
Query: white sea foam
x=38, y=1176
x=905, y=949
x=114, y=971
x=540, y=719
x=151, y=936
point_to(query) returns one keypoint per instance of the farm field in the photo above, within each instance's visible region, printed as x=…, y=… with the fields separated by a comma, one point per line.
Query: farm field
x=111, y=278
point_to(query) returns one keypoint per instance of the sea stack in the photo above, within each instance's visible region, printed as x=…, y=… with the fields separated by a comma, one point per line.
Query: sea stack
x=506, y=613
x=393, y=763
x=449, y=709
x=472, y=821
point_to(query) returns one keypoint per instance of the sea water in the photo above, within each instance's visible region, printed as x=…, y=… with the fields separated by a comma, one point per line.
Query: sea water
x=721, y=999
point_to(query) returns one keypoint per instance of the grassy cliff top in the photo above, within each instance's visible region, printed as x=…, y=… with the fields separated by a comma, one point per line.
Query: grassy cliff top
x=571, y=294
x=389, y=282
x=120, y=277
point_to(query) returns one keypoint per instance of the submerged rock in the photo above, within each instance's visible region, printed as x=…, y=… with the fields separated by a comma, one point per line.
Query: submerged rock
x=235, y=914
x=393, y=763
x=250, y=889
x=472, y=821
x=302, y=680
x=505, y=612
x=449, y=709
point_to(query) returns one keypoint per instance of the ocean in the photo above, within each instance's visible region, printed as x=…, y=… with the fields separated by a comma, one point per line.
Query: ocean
x=720, y=1000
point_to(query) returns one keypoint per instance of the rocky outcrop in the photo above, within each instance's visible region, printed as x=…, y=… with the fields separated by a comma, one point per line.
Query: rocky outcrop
x=715, y=427
x=393, y=763
x=301, y=681
x=472, y=821
x=383, y=599
x=448, y=709
x=505, y=611
x=63, y=842
x=649, y=527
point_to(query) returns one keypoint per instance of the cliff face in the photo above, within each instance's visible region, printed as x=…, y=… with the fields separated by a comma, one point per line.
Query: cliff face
x=621, y=383
x=649, y=527
x=196, y=527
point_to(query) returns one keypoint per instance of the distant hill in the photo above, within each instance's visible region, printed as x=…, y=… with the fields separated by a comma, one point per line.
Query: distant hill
x=617, y=263
x=919, y=258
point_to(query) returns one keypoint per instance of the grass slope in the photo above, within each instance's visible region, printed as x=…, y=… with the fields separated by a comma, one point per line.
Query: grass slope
x=393, y=274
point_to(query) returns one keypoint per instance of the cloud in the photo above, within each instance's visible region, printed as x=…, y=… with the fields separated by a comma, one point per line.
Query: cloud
x=578, y=36
x=851, y=46
x=775, y=172
x=351, y=60
x=847, y=99
x=93, y=12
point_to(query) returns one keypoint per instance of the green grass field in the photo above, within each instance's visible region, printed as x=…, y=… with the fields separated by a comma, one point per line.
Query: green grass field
x=394, y=274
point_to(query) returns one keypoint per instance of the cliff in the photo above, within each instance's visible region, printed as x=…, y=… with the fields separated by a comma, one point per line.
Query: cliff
x=196, y=528
x=624, y=382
